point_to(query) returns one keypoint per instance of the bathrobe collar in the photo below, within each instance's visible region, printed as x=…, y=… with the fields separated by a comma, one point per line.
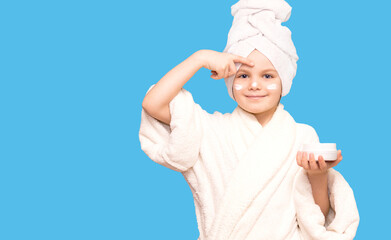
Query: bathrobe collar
x=251, y=121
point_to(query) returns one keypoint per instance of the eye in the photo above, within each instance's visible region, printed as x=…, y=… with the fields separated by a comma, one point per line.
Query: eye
x=270, y=76
x=242, y=75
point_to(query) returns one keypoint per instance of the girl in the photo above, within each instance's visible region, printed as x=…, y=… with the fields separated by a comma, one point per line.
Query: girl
x=248, y=177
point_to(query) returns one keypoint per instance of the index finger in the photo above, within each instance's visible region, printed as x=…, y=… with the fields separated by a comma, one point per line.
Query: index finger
x=243, y=60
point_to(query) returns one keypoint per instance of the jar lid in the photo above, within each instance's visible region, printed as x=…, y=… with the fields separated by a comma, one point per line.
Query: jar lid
x=320, y=147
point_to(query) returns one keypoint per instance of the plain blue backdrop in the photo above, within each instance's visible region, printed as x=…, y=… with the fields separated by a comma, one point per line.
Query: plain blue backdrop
x=73, y=75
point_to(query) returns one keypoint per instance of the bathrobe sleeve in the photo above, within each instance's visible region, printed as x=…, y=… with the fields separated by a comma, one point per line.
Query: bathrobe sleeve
x=343, y=218
x=177, y=145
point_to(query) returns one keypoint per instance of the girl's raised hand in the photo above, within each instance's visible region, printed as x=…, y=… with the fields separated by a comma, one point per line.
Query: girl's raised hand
x=222, y=65
x=314, y=167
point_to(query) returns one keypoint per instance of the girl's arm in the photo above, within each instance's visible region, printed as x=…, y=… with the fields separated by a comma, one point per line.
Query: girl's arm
x=320, y=191
x=156, y=101
x=317, y=172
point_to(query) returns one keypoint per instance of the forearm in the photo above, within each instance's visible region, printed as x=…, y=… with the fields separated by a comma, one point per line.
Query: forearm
x=168, y=87
x=320, y=191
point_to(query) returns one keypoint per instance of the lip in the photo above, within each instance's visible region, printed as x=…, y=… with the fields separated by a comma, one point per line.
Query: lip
x=256, y=97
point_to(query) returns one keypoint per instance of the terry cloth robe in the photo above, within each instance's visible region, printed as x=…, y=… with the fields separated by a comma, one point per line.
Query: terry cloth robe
x=244, y=177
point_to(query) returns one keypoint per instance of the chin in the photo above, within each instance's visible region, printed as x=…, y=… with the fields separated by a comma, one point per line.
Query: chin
x=257, y=107
x=254, y=110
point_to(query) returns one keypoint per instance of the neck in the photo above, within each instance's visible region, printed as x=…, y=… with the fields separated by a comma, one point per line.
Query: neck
x=264, y=117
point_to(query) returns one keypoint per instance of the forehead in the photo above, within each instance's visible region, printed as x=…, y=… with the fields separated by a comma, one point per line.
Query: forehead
x=262, y=63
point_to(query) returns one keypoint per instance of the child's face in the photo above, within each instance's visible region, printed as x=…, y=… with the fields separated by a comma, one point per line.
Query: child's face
x=261, y=80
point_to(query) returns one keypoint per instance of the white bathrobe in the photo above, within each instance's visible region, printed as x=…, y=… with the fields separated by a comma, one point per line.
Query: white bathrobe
x=244, y=177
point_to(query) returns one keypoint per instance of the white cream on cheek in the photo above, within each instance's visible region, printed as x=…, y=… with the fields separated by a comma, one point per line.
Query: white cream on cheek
x=272, y=86
x=238, y=86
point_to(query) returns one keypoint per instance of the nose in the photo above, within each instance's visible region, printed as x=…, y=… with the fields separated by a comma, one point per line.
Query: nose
x=255, y=84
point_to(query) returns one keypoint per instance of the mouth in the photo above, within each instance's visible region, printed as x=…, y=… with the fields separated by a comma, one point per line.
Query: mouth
x=255, y=97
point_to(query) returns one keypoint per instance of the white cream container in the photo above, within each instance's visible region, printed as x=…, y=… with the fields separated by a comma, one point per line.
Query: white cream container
x=327, y=150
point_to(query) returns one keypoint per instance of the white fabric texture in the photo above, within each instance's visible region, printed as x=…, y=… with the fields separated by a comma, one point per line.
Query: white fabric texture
x=257, y=25
x=244, y=177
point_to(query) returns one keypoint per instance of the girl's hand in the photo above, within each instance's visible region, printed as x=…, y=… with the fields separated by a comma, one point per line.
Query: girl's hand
x=316, y=167
x=222, y=65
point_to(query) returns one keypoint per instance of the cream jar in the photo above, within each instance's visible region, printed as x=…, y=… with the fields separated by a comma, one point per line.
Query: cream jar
x=327, y=150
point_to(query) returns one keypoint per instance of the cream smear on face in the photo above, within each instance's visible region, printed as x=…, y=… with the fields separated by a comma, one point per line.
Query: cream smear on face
x=254, y=84
x=238, y=86
x=272, y=86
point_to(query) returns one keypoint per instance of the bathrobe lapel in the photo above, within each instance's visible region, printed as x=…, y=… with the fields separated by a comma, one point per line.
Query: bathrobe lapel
x=254, y=177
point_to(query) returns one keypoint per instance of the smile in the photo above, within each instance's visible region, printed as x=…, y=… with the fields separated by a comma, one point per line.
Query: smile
x=255, y=97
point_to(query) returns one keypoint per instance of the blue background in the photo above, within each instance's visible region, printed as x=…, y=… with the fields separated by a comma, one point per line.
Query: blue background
x=73, y=75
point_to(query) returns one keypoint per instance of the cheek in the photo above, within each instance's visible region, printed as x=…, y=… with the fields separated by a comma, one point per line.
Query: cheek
x=238, y=86
x=272, y=86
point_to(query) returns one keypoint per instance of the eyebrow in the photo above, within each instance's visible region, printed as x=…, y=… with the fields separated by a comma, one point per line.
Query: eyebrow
x=265, y=70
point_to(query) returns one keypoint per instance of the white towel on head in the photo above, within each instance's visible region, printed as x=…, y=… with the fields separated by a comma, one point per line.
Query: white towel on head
x=257, y=25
